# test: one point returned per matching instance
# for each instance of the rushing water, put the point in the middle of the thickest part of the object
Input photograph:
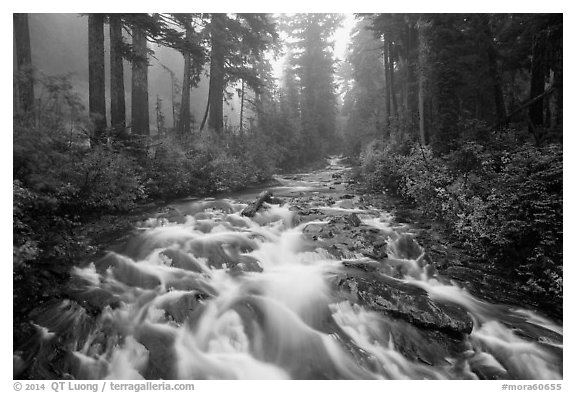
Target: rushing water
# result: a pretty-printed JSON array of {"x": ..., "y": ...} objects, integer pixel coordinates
[{"x": 208, "y": 293}]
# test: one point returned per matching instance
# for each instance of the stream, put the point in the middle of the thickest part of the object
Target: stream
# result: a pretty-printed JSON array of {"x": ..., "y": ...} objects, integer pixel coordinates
[{"x": 319, "y": 286}]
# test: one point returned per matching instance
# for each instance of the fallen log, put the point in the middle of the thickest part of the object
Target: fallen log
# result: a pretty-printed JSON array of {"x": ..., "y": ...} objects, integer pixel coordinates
[{"x": 265, "y": 196}]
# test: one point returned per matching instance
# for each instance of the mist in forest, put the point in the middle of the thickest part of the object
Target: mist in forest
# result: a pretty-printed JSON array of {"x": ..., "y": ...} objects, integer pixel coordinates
[
  {"x": 60, "y": 46},
  {"x": 288, "y": 196}
]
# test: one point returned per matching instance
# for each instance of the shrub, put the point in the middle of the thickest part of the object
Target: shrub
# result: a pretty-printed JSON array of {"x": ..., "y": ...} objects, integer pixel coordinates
[
  {"x": 101, "y": 179},
  {"x": 177, "y": 170},
  {"x": 502, "y": 198}
]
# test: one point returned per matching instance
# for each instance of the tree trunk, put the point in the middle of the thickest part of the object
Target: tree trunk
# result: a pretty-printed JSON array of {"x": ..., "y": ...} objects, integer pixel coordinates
[
  {"x": 393, "y": 104},
  {"x": 173, "y": 101},
  {"x": 421, "y": 122},
  {"x": 253, "y": 207},
  {"x": 421, "y": 86},
  {"x": 447, "y": 78},
  {"x": 403, "y": 65},
  {"x": 96, "y": 77},
  {"x": 559, "y": 102},
  {"x": 158, "y": 114},
  {"x": 117, "y": 95},
  {"x": 216, "y": 89},
  {"x": 387, "y": 83},
  {"x": 206, "y": 112},
  {"x": 492, "y": 56},
  {"x": 537, "y": 79},
  {"x": 140, "y": 108},
  {"x": 413, "y": 82},
  {"x": 184, "y": 124},
  {"x": 242, "y": 108},
  {"x": 25, "y": 86},
  {"x": 497, "y": 86}
]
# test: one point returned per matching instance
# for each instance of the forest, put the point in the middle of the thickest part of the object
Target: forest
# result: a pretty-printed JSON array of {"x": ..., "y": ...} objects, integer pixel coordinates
[{"x": 457, "y": 117}]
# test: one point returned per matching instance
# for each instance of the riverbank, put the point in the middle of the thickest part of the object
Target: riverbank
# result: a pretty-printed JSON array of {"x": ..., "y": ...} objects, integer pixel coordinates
[
  {"x": 446, "y": 252},
  {"x": 41, "y": 282},
  {"x": 352, "y": 247}
]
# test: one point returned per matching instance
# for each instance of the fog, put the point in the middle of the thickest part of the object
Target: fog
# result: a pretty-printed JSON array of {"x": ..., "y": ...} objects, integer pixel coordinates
[{"x": 60, "y": 46}]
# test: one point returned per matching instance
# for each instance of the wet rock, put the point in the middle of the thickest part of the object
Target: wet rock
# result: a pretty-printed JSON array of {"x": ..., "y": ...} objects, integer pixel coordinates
[
  {"x": 218, "y": 205},
  {"x": 487, "y": 367},
  {"x": 405, "y": 247},
  {"x": 161, "y": 357},
  {"x": 347, "y": 204},
  {"x": 366, "y": 265},
  {"x": 354, "y": 220},
  {"x": 310, "y": 216},
  {"x": 313, "y": 229},
  {"x": 397, "y": 299},
  {"x": 173, "y": 215},
  {"x": 94, "y": 300},
  {"x": 182, "y": 260},
  {"x": 237, "y": 222},
  {"x": 67, "y": 318},
  {"x": 246, "y": 264},
  {"x": 420, "y": 345},
  {"x": 340, "y": 251},
  {"x": 187, "y": 306},
  {"x": 218, "y": 254},
  {"x": 275, "y": 200},
  {"x": 127, "y": 271}
]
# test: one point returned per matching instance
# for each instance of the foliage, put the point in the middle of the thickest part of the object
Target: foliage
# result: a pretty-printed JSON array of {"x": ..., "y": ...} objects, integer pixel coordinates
[
  {"x": 202, "y": 165},
  {"x": 502, "y": 198},
  {"x": 61, "y": 181},
  {"x": 101, "y": 179},
  {"x": 313, "y": 64}
]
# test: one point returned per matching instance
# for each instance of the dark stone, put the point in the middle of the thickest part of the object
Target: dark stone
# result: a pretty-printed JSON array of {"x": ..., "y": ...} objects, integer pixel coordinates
[
  {"x": 275, "y": 200},
  {"x": 354, "y": 219},
  {"x": 430, "y": 347},
  {"x": 365, "y": 265},
  {"x": 182, "y": 260},
  {"x": 406, "y": 247},
  {"x": 313, "y": 229},
  {"x": 127, "y": 271},
  {"x": 94, "y": 300},
  {"x": 408, "y": 302},
  {"x": 246, "y": 264},
  {"x": 187, "y": 306}
]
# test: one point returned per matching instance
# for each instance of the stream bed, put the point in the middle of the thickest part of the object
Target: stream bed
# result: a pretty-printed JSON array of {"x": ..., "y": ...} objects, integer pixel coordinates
[{"x": 318, "y": 286}]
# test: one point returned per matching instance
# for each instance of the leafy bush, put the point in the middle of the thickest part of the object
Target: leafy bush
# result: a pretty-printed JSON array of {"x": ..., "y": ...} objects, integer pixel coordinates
[
  {"x": 502, "y": 198},
  {"x": 381, "y": 167},
  {"x": 518, "y": 223},
  {"x": 176, "y": 170},
  {"x": 101, "y": 179}
]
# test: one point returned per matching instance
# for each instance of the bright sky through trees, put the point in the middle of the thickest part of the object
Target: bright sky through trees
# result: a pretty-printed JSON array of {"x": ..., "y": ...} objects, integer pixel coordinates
[{"x": 341, "y": 40}]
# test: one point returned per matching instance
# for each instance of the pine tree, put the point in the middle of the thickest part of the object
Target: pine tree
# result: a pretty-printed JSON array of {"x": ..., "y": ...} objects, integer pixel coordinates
[
  {"x": 96, "y": 77},
  {"x": 314, "y": 62},
  {"x": 194, "y": 57},
  {"x": 237, "y": 42},
  {"x": 140, "y": 109},
  {"x": 25, "y": 84},
  {"x": 117, "y": 94},
  {"x": 217, "y": 59},
  {"x": 364, "y": 101}
]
